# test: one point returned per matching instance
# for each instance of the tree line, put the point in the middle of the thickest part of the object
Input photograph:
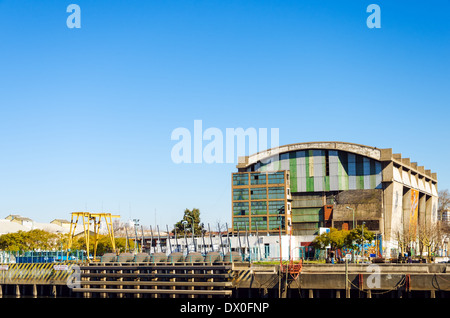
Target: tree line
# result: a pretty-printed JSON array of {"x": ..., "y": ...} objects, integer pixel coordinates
[{"x": 40, "y": 240}]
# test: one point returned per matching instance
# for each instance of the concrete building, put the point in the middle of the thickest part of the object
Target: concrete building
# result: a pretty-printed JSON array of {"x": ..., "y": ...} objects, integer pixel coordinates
[
  {"x": 26, "y": 222},
  {"x": 306, "y": 186},
  {"x": 14, "y": 223},
  {"x": 61, "y": 222}
]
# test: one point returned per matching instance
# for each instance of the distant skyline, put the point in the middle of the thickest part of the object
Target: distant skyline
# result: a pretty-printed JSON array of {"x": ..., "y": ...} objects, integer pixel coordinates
[{"x": 86, "y": 114}]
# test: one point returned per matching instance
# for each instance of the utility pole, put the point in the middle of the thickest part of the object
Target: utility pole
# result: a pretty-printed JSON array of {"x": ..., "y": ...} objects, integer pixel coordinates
[
  {"x": 347, "y": 290},
  {"x": 136, "y": 224}
]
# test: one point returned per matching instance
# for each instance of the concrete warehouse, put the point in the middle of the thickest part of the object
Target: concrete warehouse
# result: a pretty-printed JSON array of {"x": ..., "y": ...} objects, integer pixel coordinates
[{"x": 300, "y": 188}]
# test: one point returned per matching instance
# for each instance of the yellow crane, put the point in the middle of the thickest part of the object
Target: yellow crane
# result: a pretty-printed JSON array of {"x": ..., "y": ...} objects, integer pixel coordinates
[{"x": 89, "y": 219}]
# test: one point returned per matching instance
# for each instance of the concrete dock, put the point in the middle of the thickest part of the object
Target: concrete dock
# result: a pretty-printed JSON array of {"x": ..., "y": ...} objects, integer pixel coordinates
[{"x": 224, "y": 280}]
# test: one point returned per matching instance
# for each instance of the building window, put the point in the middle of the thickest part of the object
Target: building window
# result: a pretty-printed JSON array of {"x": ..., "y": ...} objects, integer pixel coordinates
[
  {"x": 259, "y": 207},
  {"x": 276, "y": 193},
  {"x": 240, "y": 179},
  {"x": 240, "y": 208},
  {"x": 258, "y": 194},
  {"x": 258, "y": 178},
  {"x": 276, "y": 207},
  {"x": 240, "y": 194},
  {"x": 240, "y": 223},
  {"x": 275, "y": 222},
  {"x": 276, "y": 178},
  {"x": 259, "y": 223}
]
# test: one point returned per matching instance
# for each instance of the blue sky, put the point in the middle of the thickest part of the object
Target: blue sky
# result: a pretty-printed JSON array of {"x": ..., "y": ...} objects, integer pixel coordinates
[{"x": 86, "y": 114}]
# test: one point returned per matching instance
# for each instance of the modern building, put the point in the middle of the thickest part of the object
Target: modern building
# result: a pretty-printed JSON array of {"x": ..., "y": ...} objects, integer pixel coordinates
[{"x": 299, "y": 188}]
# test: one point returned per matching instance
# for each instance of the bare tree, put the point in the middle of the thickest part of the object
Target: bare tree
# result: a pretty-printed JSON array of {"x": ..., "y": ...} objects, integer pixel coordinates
[
  {"x": 433, "y": 237},
  {"x": 444, "y": 202}
]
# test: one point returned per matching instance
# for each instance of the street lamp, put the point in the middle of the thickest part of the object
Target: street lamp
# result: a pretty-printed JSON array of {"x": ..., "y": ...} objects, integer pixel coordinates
[
  {"x": 188, "y": 216},
  {"x": 136, "y": 224},
  {"x": 353, "y": 251},
  {"x": 184, "y": 228},
  {"x": 193, "y": 231},
  {"x": 353, "y": 215},
  {"x": 363, "y": 240}
]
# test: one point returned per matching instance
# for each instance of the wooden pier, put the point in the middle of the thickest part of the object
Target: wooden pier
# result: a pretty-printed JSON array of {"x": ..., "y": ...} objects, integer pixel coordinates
[{"x": 155, "y": 280}]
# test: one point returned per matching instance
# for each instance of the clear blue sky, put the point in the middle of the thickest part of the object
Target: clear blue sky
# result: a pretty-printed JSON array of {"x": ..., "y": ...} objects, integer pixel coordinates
[{"x": 86, "y": 114}]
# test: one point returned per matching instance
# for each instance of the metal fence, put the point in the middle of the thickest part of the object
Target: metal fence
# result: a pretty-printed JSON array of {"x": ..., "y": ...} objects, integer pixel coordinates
[{"x": 41, "y": 256}]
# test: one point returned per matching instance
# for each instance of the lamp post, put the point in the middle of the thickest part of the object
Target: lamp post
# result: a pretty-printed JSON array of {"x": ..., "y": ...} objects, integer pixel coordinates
[
  {"x": 185, "y": 239},
  {"x": 193, "y": 231},
  {"x": 363, "y": 240},
  {"x": 353, "y": 226},
  {"x": 353, "y": 215},
  {"x": 136, "y": 224}
]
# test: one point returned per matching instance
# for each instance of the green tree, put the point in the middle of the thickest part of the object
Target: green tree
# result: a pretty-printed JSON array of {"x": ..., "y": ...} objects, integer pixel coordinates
[
  {"x": 103, "y": 244},
  {"x": 30, "y": 240},
  {"x": 335, "y": 239},
  {"x": 357, "y": 236},
  {"x": 191, "y": 218}
]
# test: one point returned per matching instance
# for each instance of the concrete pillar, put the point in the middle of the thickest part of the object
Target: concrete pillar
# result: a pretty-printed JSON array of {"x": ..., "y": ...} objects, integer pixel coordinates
[
  {"x": 311, "y": 293},
  {"x": 428, "y": 208},
  {"x": 18, "y": 291},
  {"x": 432, "y": 294},
  {"x": 34, "y": 291},
  {"x": 406, "y": 209},
  {"x": 422, "y": 209},
  {"x": 338, "y": 293}
]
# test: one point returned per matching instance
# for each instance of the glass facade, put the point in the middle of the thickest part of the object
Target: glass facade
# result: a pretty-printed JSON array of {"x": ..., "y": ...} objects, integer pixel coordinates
[
  {"x": 260, "y": 201},
  {"x": 240, "y": 208},
  {"x": 259, "y": 207},
  {"x": 276, "y": 207},
  {"x": 259, "y": 193},
  {"x": 240, "y": 179},
  {"x": 258, "y": 178},
  {"x": 276, "y": 193},
  {"x": 276, "y": 178},
  {"x": 240, "y": 194}
]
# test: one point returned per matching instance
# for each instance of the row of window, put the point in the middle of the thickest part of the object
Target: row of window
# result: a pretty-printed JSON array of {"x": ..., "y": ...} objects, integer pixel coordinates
[
  {"x": 258, "y": 178},
  {"x": 260, "y": 223},
  {"x": 258, "y": 193},
  {"x": 258, "y": 208}
]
